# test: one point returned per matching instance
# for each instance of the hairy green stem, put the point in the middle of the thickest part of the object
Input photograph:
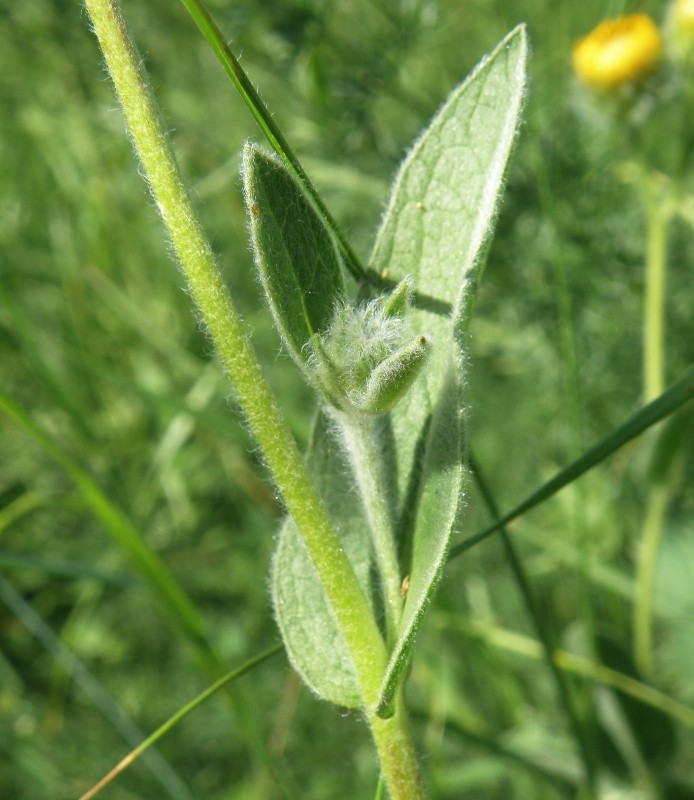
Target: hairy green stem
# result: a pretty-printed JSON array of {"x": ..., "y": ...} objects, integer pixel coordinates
[
  {"x": 366, "y": 441},
  {"x": 255, "y": 397},
  {"x": 399, "y": 764}
]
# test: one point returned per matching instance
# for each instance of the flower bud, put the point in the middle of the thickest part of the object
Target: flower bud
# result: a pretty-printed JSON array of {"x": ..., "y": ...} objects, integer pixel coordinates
[
  {"x": 393, "y": 377},
  {"x": 399, "y": 299},
  {"x": 365, "y": 361}
]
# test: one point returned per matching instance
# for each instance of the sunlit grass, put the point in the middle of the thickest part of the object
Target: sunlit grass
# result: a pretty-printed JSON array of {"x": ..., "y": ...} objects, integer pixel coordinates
[{"x": 101, "y": 350}]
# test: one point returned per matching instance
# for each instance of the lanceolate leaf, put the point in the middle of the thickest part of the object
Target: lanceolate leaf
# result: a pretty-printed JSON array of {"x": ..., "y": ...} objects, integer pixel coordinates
[
  {"x": 441, "y": 212},
  {"x": 297, "y": 258},
  {"x": 437, "y": 511},
  {"x": 311, "y": 635},
  {"x": 435, "y": 231}
]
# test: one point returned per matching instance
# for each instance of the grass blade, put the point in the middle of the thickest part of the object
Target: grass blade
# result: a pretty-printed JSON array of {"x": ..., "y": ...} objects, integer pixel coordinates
[
  {"x": 597, "y": 673},
  {"x": 91, "y": 687},
  {"x": 24, "y": 504},
  {"x": 504, "y": 752},
  {"x": 170, "y": 723},
  {"x": 122, "y": 530},
  {"x": 581, "y": 735},
  {"x": 271, "y": 130},
  {"x": 678, "y": 394}
]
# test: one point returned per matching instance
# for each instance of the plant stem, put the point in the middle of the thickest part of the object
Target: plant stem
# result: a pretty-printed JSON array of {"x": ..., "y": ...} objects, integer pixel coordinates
[
  {"x": 658, "y": 211},
  {"x": 234, "y": 348},
  {"x": 352, "y": 611},
  {"x": 399, "y": 763},
  {"x": 366, "y": 441},
  {"x": 665, "y": 474}
]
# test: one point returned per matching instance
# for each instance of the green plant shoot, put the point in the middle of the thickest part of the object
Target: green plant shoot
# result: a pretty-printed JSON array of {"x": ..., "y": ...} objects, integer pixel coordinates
[
  {"x": 388, "y": 442},
  {"x": 371, "y": 513}
]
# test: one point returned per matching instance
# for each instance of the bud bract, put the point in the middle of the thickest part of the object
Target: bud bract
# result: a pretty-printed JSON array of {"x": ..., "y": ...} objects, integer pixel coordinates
[{"x": 366, "y": 360}]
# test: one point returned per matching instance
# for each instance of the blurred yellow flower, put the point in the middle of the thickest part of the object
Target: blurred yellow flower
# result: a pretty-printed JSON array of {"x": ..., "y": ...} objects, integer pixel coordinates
[{"x": 618, "y": 51}]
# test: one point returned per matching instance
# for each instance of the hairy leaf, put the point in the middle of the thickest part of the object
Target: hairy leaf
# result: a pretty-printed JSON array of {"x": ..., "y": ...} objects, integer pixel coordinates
[
  {"x": 441, "y": 212},
  {"x": 438, "y": 222},
  {"x": 436, "y": 230},
  {"x": 311, "y": 635},
  {"x": 297, "y": 258}
]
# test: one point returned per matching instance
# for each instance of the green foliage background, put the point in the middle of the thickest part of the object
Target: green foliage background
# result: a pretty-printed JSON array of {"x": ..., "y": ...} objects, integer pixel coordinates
[{"x": 100, "y": 347}]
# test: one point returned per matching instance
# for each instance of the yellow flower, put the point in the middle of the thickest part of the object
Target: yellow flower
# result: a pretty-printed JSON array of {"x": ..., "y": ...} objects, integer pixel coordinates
[{"x": 618, "y": 51}]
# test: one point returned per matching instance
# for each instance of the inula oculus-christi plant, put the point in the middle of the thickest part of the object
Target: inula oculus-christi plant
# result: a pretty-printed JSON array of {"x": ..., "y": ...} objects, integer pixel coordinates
[
  {"x": 373, "y": 503},
  {"x": 371, "y": 513}
]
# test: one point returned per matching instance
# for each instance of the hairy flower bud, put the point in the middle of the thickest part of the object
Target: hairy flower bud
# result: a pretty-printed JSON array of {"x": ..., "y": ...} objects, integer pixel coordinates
[
  {"x": 366, "y": 361},
  {"x": 393, "y": 377}
]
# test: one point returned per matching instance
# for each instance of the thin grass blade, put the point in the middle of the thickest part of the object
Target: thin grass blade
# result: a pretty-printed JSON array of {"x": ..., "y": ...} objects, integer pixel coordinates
[
  {"x": 181, "y": 609},
  {"x": 273, "y": 133},
  {"x": 677, "y": 395},
  {"x": 173, "y": 720},
  {"x": 170, "y": 782}
]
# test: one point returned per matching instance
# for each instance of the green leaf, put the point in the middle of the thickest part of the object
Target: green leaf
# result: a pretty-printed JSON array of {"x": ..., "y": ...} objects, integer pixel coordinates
[
  {"x": 651, "y": 729},
  {"x": 436, "y": 231},
  {"x": 265, "y": 120},
  {"x": 440, "y": 215},
  {"x": 451, "y": 180},
  {"x": 298, "y": 260},
  {"x": 436, "y": 516},
  {"x": 314, "y": 642}
]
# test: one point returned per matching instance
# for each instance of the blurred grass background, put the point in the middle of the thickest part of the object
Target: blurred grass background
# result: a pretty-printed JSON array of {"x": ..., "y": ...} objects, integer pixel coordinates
[{"x": 102, "y": 351}]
